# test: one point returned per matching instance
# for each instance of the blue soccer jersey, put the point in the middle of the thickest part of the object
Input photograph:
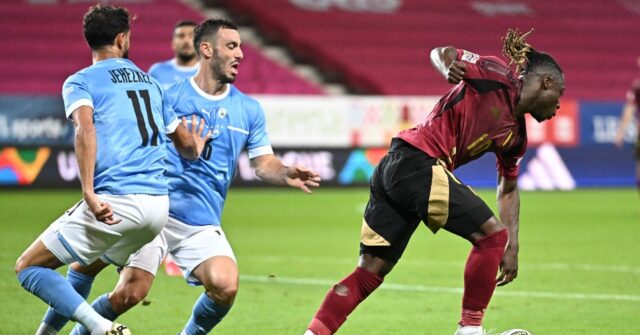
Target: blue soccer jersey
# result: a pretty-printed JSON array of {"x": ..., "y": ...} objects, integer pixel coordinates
[
  {"x": 130, "y": 125},
  {"x": 197, "y": 190},
  {"x": 169, "y": 72}
]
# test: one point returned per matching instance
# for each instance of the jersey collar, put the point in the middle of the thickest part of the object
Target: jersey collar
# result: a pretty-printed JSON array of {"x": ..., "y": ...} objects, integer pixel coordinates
[{"x": 207, "y": 95}]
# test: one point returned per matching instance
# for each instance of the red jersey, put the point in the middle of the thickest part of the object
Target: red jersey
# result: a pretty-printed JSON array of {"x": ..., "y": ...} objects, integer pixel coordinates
[{"x": 475, "y": 117}]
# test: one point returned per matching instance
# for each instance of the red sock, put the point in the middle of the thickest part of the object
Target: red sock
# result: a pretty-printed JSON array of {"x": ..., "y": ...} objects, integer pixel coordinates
[
  {"x": 342, "y": 299},
  {"x": 480, "y": 276}
]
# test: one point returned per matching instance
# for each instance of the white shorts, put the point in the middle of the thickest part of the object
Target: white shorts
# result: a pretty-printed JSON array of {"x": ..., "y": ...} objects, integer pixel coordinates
[
  {"x": 78, "y": 237},
  {"x": 188, "y": 245}
]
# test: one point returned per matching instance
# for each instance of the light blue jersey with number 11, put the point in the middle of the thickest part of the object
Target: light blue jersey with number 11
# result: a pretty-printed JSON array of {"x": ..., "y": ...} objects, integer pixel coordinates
[
  {"x": 197, "y": 190},
  {"x": 130, "y": 125}
]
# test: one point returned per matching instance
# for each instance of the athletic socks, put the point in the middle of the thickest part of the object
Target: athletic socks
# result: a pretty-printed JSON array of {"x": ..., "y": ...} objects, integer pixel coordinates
[
  {"x": 206, "y": 314},
  {"x": 480, "y": 276},
  {"x": 45, "y": 329},
  {"x": 102, "y": 306},
  {"x": 342, "y": 299},
  {"x": 82, "y": 284},
  {"x": 58, "y": 293},
  {"x": 86, "y": 315}
]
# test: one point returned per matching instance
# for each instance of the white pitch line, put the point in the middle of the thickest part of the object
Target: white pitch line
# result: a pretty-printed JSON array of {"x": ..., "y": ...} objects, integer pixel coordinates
[
  {"x": 449, "y": 290},
  {"x": 523, "y": 266}
]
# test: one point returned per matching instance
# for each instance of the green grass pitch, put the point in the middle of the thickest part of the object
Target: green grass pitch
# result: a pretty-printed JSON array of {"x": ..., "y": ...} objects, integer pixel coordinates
[{"x": 579, "y": 266}]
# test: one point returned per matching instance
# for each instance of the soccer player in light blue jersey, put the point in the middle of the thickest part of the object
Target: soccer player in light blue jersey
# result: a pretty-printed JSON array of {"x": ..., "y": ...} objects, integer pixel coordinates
[
  {"x": 193, "y": 236},
  {"x": 184, "y": 64},
  {"x": 120, "y": 145}
]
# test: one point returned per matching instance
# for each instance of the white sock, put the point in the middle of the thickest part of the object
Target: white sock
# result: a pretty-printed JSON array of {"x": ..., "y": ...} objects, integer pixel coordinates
[
  {"x": 470, "y": 330},
  {"x": 309, "y": 332},
  {"x": 89, "y": 318},
  {"x": 45, "y": 329}
]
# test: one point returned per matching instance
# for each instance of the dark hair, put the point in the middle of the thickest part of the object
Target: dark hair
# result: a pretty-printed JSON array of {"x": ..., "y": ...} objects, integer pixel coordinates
[
  {"x": 185, "y": 23},
  {"x": 208, "y": 30},
  {"x": 102, "y": 23},
  {"x": 526, "y": 57}
]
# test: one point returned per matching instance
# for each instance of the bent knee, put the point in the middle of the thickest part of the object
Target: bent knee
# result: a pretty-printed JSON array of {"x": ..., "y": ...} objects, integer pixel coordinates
[
  {"x": 491, "y": 226},
  {"x": 21, "y": 264},
  {"x": 223, "y": 290},
  {"x": 123, "y": 299}
]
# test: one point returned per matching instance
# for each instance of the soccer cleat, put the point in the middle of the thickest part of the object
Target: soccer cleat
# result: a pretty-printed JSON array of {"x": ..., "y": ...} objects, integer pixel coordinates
[
  {"x": 516, "y": 332},
  {"x": 118, "y": 329}
]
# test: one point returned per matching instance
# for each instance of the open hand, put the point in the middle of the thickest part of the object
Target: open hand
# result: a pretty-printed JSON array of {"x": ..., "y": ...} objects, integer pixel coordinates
[
  {"x": 196, "y": 132},
  {"x": 508, "y": 267},
  {"x": 302, "y": 178}
]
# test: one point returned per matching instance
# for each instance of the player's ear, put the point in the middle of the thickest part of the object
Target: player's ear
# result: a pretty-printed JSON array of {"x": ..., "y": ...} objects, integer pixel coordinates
[
  {"x": 547, "y": 81},
  {"x": 206, "y": 49},
  {"x": 121, "y": 40}
]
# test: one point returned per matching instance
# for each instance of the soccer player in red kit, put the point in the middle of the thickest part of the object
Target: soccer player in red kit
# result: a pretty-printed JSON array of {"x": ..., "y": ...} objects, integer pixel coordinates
[
  {"x": 414, "y": 182},
  {"x": 630, "y": 107}
]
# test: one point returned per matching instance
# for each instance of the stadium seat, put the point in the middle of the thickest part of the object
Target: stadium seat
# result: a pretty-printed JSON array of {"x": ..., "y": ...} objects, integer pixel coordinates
[
  {"x": 43, "y": 45},
  {"x": 386, "y": 52}
]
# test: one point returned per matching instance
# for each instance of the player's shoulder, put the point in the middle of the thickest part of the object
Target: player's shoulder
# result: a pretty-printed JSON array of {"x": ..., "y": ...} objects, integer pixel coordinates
[
  {"x": 80, "y": 74},
  {"x": 247, "y": 100},
  {"x": 160, "y": 65},
  {"x": 484, "y": 61},
  {"x": 177, "y": 90}
]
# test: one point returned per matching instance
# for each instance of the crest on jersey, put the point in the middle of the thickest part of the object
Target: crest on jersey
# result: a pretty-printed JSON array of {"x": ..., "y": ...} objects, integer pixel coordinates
[
  {"x": 222, "y": 112},
  {"x": 469, "y": 57}
]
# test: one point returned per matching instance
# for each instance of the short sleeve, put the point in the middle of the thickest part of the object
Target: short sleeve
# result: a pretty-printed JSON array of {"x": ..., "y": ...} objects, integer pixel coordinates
[
  {"x": 508, "y": 163},
  {"x": 484, "y": 68},
  {"x": 75, "y": 93},
  {"x": 258, "y": 143},
  {"x": 168, "y": 112}
]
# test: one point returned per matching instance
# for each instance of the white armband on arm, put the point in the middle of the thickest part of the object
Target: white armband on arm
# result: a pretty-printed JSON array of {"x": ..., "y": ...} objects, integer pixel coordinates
[
  {"x": 260, "y": 151},
  {"x": 171, "y": 127}
]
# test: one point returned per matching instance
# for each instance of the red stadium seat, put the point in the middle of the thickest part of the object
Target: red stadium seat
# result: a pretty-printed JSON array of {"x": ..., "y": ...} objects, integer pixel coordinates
[
  {"x": 595, "y": 42},
  {"x": 43, "y": 44}
]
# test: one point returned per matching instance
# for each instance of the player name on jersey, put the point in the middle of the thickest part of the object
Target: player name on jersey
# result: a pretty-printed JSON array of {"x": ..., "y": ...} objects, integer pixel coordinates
[{"x": 126, "y": 75}]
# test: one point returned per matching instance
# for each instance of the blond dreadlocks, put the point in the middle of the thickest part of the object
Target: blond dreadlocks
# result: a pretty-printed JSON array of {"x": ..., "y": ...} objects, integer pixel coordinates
[{"x": 516, "y": 48}]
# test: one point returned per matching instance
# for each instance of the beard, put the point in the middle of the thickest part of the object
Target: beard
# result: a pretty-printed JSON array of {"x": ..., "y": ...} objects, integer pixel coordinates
[
  {"x": 185, "y": 58},
  {"x": 218, "y": 70}
]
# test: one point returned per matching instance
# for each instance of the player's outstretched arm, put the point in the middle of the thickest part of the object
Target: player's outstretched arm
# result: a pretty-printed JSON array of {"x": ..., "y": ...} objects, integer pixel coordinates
[
  {"x": 444, "y": 61},
  {"x": 270, "y": 169},
  {"x": 189, "y": 140},
  {"x": 86, "y": 147},
  {"x": 509, "y": 208},
  {"x": 625, "y": 119}
]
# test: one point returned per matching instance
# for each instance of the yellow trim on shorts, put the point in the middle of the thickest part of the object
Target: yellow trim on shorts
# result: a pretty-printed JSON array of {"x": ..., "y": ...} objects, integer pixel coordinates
[
  {"x": 438, "y": 206},
  {"x": 370, "y": 238}
]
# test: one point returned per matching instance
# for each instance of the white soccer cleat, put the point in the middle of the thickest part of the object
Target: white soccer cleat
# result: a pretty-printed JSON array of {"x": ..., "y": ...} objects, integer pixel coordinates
[{"x": 118, "y": 329}]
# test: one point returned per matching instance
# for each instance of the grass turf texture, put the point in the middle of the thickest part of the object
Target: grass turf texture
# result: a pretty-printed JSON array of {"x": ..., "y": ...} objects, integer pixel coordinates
[{"x": 579, "y": 266}]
